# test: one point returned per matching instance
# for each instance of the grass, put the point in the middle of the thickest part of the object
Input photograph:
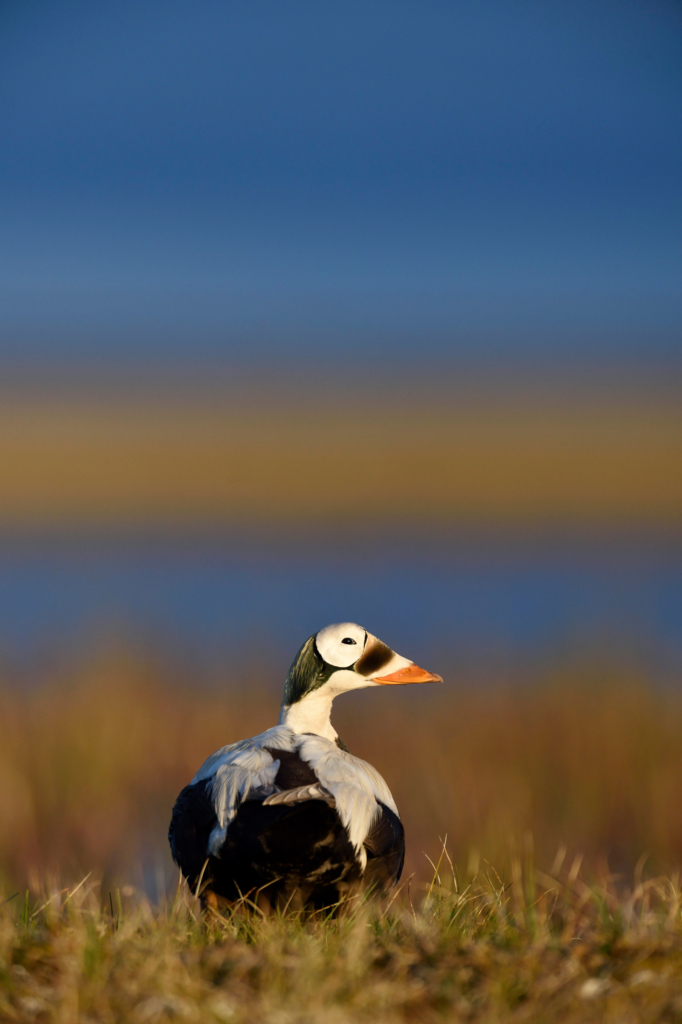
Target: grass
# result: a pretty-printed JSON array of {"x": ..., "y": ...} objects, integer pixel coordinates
[{"x": 524, "y": 947}]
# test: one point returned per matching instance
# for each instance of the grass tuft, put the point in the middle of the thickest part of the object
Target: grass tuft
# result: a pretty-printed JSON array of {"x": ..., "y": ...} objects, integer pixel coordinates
[{"x": 523, "y": 947}]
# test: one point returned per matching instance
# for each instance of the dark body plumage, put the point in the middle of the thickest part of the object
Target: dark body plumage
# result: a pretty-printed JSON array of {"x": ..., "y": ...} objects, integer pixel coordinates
[{"x": 297, "y": 851}]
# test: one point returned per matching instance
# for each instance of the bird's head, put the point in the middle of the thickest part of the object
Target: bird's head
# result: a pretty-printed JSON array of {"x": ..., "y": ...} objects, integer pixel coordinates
[{"x": 344, "y": 657}]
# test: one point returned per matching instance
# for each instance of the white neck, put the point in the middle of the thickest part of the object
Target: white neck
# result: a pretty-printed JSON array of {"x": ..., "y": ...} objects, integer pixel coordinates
[{"x": 310, "y": 714}]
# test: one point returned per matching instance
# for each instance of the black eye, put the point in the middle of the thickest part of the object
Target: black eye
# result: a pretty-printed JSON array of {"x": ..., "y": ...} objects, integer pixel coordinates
[{"x": 347, "y": 640}]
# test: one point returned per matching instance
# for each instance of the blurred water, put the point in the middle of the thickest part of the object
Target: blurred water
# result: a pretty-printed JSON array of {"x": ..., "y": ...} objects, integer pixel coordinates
[{"x": 483, "y": 605}]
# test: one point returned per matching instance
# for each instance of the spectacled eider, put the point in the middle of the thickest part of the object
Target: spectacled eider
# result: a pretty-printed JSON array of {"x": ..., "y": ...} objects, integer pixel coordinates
[{"x": 291, "y": 812}]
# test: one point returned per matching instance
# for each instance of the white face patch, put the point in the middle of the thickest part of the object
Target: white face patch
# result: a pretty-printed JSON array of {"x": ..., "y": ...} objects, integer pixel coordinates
[{"x": 342, "y": 644}]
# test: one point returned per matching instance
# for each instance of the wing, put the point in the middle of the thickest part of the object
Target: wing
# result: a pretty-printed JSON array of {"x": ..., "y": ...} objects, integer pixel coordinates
[
  {"x": 239, "y": 772},
  {"x": 385, "y": 846},
  {"x": 386, "y": 832},
  {"x": 358, "y": 789},
  {"x": 193, "y": 820}
]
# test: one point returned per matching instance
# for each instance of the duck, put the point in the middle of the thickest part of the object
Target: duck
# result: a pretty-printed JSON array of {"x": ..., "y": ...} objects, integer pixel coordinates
[{"x": 290, "y": 817}]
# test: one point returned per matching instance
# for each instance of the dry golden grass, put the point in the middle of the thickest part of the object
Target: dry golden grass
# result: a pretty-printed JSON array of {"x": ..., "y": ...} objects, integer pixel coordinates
[
  {"x": 523, "y": 947},
  {"x": 396, "y": 457},
  {"x": 590, "y": 760}
]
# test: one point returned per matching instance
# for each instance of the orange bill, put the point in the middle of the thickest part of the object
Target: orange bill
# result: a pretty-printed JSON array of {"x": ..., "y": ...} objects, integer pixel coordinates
[{"x": 411, "y": 674}]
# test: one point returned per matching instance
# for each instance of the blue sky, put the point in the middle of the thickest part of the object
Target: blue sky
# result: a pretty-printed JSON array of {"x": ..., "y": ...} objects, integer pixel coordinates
[{"x": 247, "y": 179}]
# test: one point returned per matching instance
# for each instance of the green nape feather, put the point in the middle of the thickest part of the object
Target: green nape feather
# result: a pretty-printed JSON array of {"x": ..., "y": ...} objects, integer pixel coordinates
[{"x": 307, "y": 673}]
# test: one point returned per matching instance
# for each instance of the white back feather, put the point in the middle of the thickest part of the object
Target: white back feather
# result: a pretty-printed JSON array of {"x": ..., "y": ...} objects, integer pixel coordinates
[
  {"x": 246, "y": 770},
  {"x": 240, "y": 771},
  {"x": 356, "y": 786}
]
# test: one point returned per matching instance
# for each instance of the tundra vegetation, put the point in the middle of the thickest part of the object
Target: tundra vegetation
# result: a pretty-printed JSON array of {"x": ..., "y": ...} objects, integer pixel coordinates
[{"x": 525, "y": 948}]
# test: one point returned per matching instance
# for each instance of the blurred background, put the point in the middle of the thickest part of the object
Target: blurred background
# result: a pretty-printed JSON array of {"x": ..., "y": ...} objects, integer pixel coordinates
[{"x": 314, "y": 312}]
